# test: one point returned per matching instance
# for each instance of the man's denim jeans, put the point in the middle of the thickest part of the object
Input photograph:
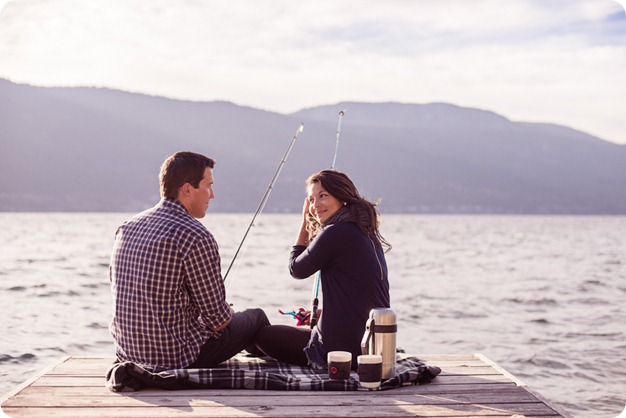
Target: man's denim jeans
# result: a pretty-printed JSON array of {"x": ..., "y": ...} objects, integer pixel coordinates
[{"x": 237, "y": 336}]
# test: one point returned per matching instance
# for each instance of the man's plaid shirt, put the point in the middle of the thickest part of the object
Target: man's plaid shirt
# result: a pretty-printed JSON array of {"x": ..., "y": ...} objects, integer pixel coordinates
[{"x": 168, "y": 291}]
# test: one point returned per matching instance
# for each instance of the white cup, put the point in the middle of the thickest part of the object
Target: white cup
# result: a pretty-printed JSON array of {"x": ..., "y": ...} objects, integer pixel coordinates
[
  {"x": 370, "y": 370},
  {"x": 339, "y": 364}
]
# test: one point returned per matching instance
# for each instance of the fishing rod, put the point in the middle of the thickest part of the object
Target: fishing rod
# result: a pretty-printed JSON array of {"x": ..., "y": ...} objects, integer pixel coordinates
[
  {"x": 318, "y": 278},
  {"x": 341, "y": 113},
  {"x": 265, "y": 196}
]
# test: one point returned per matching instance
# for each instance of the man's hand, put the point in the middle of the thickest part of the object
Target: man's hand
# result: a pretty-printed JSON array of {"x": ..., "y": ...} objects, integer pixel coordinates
[{"x": 225, "y": 324}]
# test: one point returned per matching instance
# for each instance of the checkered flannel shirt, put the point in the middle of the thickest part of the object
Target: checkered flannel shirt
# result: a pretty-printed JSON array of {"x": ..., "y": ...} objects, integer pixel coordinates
[{"x": 167, "y": 287}]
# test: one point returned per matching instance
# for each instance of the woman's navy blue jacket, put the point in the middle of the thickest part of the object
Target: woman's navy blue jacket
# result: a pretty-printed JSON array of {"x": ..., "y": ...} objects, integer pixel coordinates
[{"x": 354, "y": 281}]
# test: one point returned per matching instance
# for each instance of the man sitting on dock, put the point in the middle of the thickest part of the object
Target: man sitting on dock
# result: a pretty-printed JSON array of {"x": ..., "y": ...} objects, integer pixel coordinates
[{"x": 169, "y": 301}]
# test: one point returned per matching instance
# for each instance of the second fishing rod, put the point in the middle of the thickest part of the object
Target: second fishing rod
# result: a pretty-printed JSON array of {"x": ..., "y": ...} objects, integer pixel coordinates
[{"x": 318, "y": 278}]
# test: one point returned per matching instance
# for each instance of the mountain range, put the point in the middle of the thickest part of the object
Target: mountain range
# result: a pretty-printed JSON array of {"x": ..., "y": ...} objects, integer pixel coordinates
[{"x": 96, "y": 149}]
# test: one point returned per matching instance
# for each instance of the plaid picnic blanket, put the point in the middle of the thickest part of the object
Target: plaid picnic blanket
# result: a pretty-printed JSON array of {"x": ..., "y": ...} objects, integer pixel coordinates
[{"x": 242, "y": 372}]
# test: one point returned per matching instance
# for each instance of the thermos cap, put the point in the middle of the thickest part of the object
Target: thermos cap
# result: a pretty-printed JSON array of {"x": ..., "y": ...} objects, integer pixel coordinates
[{"x": 383, "y": 316}]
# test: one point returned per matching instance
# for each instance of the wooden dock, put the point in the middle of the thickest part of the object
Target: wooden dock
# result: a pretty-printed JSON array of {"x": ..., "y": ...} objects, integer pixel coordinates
[{"x": 468, "y": 386}]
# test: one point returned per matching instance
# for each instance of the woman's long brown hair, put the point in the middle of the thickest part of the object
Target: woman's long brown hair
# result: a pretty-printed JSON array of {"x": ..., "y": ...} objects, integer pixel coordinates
[{"x": 363, "y": 211}]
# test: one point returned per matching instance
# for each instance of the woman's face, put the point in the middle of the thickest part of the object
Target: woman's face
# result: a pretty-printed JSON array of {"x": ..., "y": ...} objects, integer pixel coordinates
[{"x": 322, "y": 205}]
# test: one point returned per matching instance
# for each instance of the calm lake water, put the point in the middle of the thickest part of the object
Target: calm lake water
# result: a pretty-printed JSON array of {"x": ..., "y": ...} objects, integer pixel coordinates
[{"x": 541, "y": 296}]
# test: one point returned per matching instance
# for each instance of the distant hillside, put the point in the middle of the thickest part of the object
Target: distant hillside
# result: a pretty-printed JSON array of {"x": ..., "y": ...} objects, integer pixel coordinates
[{"x": 88, "y": 149}]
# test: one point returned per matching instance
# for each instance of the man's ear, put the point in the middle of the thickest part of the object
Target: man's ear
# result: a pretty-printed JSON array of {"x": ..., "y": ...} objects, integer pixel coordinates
[{"x": 184, "y": 191}]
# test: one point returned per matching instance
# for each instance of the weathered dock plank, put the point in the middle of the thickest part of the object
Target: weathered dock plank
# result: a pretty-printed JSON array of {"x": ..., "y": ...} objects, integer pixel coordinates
[{"x": 469, "y": 386}]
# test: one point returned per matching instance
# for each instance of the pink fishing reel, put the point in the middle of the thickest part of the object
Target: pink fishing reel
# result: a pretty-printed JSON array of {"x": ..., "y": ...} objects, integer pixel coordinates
[{"x": 301, "y": 316}]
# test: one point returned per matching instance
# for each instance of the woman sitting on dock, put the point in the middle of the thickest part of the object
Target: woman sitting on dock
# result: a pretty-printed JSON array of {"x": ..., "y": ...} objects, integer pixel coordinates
[{"x": 339, "y": 237}]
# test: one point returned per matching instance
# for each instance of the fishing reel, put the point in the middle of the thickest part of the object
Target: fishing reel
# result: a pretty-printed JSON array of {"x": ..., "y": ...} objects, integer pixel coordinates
[{"x": 302, "y": 316}]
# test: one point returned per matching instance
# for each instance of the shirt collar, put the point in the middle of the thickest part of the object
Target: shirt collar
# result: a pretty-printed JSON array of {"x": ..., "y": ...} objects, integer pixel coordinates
[{"x": 174, "y": 205}]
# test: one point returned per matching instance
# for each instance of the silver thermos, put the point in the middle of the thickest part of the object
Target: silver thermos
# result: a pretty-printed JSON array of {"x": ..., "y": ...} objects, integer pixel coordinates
[{"x": 380, "y": 338}]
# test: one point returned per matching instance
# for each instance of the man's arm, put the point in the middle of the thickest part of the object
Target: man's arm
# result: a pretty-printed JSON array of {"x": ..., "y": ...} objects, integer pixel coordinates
[{"x": 206, "y": 286}]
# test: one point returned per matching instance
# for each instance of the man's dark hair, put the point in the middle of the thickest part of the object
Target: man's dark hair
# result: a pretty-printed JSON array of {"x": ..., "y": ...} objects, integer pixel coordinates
[{"x": 180, "y": 168}]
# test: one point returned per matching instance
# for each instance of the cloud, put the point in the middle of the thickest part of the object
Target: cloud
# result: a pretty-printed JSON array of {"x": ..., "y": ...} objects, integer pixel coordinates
[
  {"x": 3, "y": 3},
  {"x": 553, "y": 61}
]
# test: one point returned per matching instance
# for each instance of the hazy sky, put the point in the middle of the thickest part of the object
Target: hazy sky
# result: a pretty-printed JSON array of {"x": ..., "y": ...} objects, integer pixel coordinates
[{"x": 560, "y": 61}]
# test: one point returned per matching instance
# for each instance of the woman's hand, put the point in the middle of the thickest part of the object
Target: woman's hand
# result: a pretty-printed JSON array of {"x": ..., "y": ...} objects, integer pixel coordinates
[
  {"x": 303, "y": 234},
  {"x": 306, "y": 207}
]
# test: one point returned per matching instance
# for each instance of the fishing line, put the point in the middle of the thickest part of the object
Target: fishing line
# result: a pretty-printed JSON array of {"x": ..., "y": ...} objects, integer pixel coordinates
[
  {"x": 318, "y": 278},
  {"x": 265, "y": 196}
]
